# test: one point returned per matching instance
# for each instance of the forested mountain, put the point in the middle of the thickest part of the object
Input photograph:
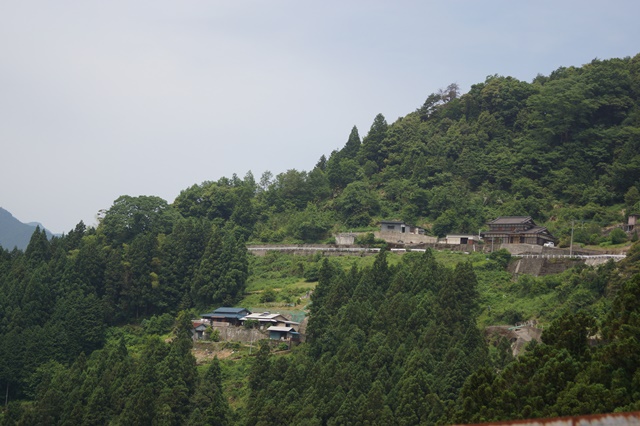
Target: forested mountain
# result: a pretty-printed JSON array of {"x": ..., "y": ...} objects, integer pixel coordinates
[
  {"x": 387, "y": 344},
  {"x": 563, "y": 147},
  {"x": 14, "y": 233}
]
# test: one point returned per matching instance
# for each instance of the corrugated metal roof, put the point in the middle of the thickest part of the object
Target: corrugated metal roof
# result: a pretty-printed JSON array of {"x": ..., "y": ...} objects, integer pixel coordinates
[
  {"x": 268, "y": 317},
  {"x": 225, "y": 310},
  {"x": 287, "y": 329},
  {"x": 236, "y": 313}
]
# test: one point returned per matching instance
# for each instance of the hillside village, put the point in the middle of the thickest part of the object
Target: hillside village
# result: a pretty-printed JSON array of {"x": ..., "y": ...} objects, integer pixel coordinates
[
  {"x": 534, "y": 246},
  {"x": 475, "y": 260}
]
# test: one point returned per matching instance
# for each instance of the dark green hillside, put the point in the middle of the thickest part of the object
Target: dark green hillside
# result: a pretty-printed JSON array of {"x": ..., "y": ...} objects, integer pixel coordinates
[
  {"x": 94, "y": 324},
  {"x": 389, "y": 342},
  {"x": 565, "y": 146},
  {"x": 399, "y": 345}
]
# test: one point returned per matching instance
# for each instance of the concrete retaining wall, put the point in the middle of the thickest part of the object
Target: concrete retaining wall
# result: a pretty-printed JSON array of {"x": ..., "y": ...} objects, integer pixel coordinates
[
  {"x": 346, "y": 239},
  {"x": 311, "y": 249},
  {"x": 541, "y": 266},
  {"x": 400, "y": 238},
  {"x": 519, "y": 248}
]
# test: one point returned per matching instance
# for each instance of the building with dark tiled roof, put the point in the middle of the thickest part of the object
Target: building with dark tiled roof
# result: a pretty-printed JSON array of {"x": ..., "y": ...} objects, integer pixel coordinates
[
  {"x": 516, "y": 230},
  {"x": 226, "y": 316}
]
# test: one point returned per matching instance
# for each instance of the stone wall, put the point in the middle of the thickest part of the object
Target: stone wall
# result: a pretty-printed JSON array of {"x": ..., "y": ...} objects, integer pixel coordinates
[{"x": 241, "y": 334}]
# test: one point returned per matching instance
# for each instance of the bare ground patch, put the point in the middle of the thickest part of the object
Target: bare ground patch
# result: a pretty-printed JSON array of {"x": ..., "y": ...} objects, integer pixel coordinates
[{"x": 204, "y": 352}]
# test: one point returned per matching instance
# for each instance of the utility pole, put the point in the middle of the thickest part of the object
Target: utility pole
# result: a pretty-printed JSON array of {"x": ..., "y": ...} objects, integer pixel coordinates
[{"x": 571, "y": 243}]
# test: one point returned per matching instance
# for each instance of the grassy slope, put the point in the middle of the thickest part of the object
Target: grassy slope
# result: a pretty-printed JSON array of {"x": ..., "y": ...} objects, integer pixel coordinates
[{"x": 503, "y": 299}]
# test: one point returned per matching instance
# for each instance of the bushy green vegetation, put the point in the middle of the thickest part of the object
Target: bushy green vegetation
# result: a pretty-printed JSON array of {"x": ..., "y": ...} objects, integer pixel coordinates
[
  {"x": 399, "y": 345},
  {"x": 562, "y": 149},
  {"x": 87, "y": 330},
  {"x": 143, "y": 264}
]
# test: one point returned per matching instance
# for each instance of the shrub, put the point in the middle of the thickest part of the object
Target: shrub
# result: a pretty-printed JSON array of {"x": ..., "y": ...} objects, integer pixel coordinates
[
  {"x": 511, "y": 316},
  {"x": 369, "y": 239},
  {"x": 160, "y": 324},
  {"x": 311, "y": 271},
  {"x": 366, "y": 239},
  {"x": 232, "y": 345},
  {"x": 267, "y": 296},
  {"x": 251, "y": 324},
  {"x": 617, "y": 236},
  {"x": 214, "y": 334},
  {"x": 502, "y": 257}
]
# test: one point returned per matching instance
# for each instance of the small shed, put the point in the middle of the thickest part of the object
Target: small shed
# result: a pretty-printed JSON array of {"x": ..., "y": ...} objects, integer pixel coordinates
[
  {"x": 280, "y": 333},
  {"x": 461, "y": 239},
  {"x": 198, "y": 330},
  {"x": 400, "y": 227}
]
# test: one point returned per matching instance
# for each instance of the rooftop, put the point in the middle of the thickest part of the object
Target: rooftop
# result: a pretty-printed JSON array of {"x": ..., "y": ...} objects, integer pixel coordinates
[
  {"x": 225, "y": 310},
  {"x": 227, "y": 313},
  {"x": 281, "y": 329},
  {"x": 268, "y": 317},
  {"x": 511, "y": 220},
  {"x": 536, "y": 230}
]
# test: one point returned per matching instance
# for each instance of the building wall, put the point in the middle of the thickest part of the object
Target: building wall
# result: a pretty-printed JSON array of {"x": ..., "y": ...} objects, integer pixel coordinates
[
  {"x": 514, "y": 239},
  {"x": 458, "y": 239},
  {"x": 394, "y": 237}
]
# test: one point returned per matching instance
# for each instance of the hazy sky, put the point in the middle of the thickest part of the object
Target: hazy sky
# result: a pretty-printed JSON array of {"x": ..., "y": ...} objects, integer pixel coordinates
[{"x": 104, "y": 98}]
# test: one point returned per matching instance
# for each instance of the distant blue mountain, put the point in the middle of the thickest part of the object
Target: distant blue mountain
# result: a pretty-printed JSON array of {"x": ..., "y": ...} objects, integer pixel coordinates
[{"x": 14, "y": 233}]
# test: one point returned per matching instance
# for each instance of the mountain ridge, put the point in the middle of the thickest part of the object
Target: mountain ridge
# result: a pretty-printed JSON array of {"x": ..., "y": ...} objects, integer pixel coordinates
[{"x": 16, "y": 234}]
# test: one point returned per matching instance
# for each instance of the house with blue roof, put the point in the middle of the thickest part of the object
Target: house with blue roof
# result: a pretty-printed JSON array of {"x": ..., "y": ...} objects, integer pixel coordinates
[{"x": 225, "y": 316}]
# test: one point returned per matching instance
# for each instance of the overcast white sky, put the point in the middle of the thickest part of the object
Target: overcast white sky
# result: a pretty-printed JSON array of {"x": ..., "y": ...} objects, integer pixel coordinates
[{"x": 104, "y": 98}]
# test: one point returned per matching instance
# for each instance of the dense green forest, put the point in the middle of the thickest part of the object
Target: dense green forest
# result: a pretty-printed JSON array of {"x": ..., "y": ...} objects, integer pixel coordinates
[
  {"x": 400, "y": 345},
  {"x": 388, "y": 344},
  {"x": 94, "y": 325},
  {"x": 563, "y": 147}
]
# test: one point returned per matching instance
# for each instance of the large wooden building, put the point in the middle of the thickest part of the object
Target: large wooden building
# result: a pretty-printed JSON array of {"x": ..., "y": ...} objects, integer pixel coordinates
[
  {"x": 226, "y": 316},
  {"x": 516, "y": 230}
]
